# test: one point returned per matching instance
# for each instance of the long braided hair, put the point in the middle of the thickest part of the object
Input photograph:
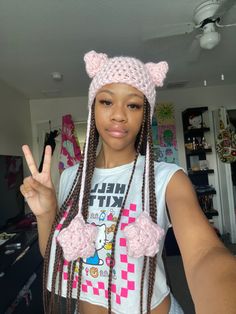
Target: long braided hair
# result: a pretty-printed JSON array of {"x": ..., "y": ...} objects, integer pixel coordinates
[{"x": 52, "y": 299}]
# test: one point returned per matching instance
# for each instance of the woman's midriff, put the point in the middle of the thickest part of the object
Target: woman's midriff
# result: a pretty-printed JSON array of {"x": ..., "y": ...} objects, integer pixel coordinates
[{"x": 88, "y": 308}]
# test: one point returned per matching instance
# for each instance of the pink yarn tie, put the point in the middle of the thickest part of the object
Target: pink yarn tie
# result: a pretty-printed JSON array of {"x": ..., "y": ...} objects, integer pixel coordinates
[
  {"x": 143, "y": 236},
  {"x": 78, "y": 239}
]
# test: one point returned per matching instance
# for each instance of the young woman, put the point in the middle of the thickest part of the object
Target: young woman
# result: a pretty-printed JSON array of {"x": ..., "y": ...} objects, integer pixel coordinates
[{"x": 102, "y": 240}]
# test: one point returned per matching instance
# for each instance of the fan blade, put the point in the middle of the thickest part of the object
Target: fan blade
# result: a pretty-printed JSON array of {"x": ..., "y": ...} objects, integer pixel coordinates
[
  {"x": 224, "y": 8},
  {"x": 160, "y": 31},
  {"x": 194, "y": 50}
]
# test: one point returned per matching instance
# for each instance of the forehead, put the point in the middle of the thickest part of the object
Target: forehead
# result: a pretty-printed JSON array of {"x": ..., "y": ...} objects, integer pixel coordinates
[{"x": 120, "y": 89}]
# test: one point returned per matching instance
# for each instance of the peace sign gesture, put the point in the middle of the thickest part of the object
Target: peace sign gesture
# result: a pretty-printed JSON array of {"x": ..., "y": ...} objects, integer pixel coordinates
[{"x": 38, "y": 188}]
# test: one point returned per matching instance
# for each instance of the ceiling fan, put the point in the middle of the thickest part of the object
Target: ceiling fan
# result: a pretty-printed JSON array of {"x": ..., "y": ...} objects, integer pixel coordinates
[{"x": 207, "y": 18}]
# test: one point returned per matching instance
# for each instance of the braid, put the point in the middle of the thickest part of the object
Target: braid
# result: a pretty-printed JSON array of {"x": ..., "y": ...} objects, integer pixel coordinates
[
  {"x": 79, "y": 284},
  {"x": 72, "y": 202},
  {"x": 121, "y": 210},
  {"x": 142, "y": 283},
  {"x": 59, "y": 215},
  {"x": 58, "y": 264},
  {"x": 60, "y": 274},
  {"x": 91, "y": 161},
  {"x": 145, "y": 257},
  {"x": 73, "y": 199},
  {"x": 153, "y": 213},
  {"x": 58, "y": 255},
  {"x": 69, "y": 287}
]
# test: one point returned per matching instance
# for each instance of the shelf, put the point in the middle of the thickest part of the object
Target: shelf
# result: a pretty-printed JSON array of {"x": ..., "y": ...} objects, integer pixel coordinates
[
  {"x": 195, "y": 110},
  {"x": 198, "y": 151},
  {"x": 200, "y": 172},
  {"x": 196, "y": 131},
  {"x": 205, "y": 193},
  {"x": 205, "y": 190},
  {"x": 211, "y": 213},
  {"x": 194, "y": 137}
]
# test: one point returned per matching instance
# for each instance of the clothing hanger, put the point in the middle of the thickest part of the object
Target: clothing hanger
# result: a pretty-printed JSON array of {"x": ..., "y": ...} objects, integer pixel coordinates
[{"x": 53, "y": 131}]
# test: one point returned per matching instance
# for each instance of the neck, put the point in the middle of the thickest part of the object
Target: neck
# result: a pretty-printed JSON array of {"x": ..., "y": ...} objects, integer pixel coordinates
[{"x": 110, "y": 159}]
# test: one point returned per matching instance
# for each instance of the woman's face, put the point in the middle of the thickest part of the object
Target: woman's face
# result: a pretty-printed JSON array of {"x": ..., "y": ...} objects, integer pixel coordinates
[{"x": 119, "y": 115}]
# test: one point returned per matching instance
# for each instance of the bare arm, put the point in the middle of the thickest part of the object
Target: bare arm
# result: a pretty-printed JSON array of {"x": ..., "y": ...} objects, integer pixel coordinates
[
  {"x": 44, "y": 228},
  {"x": 210, "y": 268},
  {"x": 40, "y": 194}
]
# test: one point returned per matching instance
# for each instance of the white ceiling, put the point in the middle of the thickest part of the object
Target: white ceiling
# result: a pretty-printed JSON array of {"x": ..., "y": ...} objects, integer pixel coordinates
[{"x": 40, "y": 37}]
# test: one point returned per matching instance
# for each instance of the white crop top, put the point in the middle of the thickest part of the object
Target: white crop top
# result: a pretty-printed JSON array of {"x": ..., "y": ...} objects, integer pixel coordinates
[{"x": 107, "y": 193}]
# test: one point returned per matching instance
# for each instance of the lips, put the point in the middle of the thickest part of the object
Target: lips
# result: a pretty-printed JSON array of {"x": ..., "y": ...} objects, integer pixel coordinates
[{"x": 117, "y": 132}]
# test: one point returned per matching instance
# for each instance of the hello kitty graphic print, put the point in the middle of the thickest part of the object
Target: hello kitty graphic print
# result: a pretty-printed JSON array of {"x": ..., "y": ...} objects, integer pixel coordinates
[{"x": 98, "y": 265}]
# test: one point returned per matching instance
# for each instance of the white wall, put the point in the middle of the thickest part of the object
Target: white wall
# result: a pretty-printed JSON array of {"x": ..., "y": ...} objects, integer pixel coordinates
[{"x": 15, "y": 126}]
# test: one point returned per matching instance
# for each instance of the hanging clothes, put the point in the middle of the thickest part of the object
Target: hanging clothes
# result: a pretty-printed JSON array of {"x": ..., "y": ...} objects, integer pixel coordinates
[
  {"x": 49, "y": 140},
  {"x": 70, "y": 149}
]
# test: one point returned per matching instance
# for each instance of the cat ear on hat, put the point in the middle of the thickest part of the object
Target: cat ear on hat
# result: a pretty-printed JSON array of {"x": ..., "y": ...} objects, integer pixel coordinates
[
  {"x": 94, "y": 61},
  {"x": 158, "y": 71}
]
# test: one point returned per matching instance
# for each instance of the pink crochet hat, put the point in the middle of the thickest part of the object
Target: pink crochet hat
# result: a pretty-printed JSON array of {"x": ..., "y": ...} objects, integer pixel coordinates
[
  {"x": 127, "y": 70},
  {"x": 77, "y": 240}
]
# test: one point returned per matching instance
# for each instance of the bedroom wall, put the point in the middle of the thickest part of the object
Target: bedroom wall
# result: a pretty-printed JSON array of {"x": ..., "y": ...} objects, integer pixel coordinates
[{"x": 15, "y": 127}]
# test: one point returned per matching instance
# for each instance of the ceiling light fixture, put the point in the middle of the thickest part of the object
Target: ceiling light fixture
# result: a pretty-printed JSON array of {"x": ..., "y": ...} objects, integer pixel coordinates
[
  {"x": 57, "y": 76},
  {"x": 210, "y": 37}
]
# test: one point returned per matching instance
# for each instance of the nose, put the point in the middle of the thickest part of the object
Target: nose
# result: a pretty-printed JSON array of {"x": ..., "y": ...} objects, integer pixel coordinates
[{"x": 118, "y": 113}]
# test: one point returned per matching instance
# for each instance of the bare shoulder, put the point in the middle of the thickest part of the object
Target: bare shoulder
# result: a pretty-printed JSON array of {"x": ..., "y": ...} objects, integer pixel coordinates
[{"x": 180, "y": 190}]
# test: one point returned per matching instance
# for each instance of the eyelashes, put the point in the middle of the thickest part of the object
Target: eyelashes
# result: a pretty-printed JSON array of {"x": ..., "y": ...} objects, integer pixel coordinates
[
  {"x": 135, "y": 106},
  {"x": 131, "y": 106},
  {"x": 105, "y": 102}
]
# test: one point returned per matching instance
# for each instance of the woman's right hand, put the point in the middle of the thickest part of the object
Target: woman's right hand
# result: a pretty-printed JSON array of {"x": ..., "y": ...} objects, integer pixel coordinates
[{"x": 38, "y": 188}]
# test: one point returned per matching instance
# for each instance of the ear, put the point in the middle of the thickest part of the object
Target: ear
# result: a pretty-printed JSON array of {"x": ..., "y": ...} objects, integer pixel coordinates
[
  {"x": 94, "y": 61},
  {"x": 158, "y": 71}
]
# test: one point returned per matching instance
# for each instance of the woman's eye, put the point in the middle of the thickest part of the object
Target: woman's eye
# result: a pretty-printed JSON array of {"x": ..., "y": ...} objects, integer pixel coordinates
[
  {"x": 105, "y": 102},
  {"x": 134, "y": 106}
]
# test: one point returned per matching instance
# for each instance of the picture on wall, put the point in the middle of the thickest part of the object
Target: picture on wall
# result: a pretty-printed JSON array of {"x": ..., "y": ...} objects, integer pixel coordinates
[{"x": 164, "y": 133}]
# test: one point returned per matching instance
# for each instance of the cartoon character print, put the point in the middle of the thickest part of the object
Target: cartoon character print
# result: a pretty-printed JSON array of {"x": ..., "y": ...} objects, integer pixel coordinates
[
  {"x": 195, "y": 122},
  {"x": 96, "y": 275},
  {"x": 111, "y": 216},
  {"x": 102, "y": 216},
  {"x": 99, "y": 244}
]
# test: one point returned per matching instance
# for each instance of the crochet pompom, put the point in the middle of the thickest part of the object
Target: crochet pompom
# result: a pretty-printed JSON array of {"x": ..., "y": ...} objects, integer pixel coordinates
[
  {"x": 94, "y": 61},
  {"x": 158, "y": 71},
  {"x": 78, "y": 239},
  {"x": 143, "y": 236}
]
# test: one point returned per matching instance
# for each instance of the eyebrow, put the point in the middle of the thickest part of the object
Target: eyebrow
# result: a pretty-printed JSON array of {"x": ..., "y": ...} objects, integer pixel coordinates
[{"x": 111, "y": 93}]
